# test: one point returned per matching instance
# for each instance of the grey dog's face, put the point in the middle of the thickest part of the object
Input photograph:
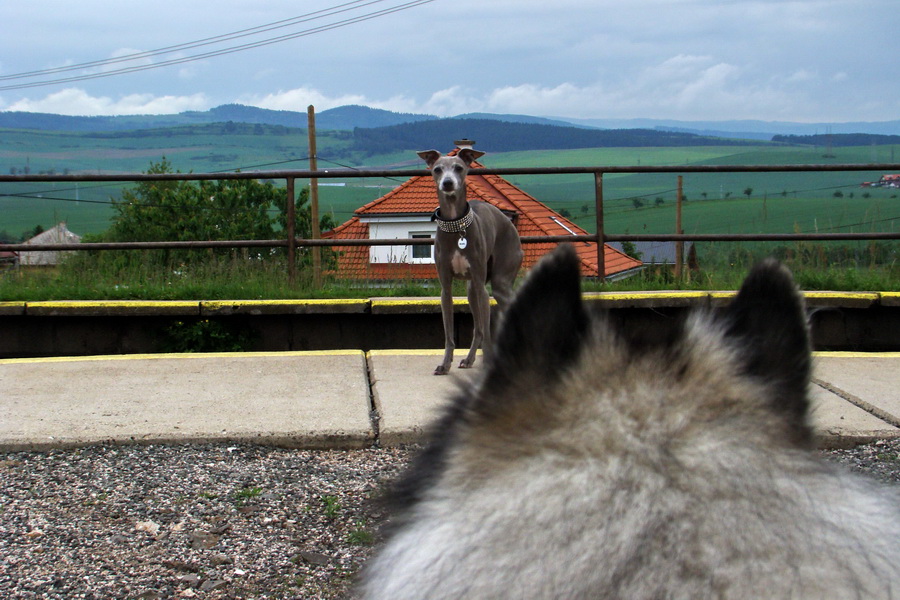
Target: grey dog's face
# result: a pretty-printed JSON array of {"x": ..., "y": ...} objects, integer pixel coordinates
[{"x": 449, "y": 173}]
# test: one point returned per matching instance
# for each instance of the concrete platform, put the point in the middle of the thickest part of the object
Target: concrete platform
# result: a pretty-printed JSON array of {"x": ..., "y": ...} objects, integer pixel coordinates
[
  {"x": 308, "y": 399},
  {"x": 328, "y": 399}
]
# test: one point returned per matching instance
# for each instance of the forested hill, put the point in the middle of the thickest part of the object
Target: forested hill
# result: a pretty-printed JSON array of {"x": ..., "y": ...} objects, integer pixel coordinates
[
  {"x": 839, "y": 139},
  {"x": 342, "y": 117},
  {"x": 503, "y": 136}
]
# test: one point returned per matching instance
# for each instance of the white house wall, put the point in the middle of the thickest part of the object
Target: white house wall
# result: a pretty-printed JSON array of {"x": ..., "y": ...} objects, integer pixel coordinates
[{"x": 392, "y": 228}]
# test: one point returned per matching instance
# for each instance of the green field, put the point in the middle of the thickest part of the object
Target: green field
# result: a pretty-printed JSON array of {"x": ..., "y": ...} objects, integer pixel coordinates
[{"x": 639, "y": 203}]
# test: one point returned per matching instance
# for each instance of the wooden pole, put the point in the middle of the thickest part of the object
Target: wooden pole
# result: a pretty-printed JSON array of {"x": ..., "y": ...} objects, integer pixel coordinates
[
  {"x": 679, "y": 246},
  {"x": 291, "y": 234},
  {"x": 601, "y": 244},
  {"x": 314, "y": 196}
]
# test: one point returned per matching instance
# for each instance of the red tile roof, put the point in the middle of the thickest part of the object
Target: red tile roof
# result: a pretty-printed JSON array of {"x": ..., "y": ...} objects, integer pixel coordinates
[{"x": 418, "y": 195}]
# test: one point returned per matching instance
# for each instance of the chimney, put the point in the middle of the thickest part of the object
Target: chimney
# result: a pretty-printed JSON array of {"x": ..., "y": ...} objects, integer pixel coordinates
[{"x": 464, "y": 143}]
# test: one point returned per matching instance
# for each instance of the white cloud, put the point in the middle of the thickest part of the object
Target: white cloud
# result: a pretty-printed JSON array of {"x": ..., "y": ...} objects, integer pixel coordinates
[
  {"x": 299, "y": 99},
  {"x": 801, "y": 76},
  {"x": 75, "y": 101},
  {"x": 684, "y": 86}
]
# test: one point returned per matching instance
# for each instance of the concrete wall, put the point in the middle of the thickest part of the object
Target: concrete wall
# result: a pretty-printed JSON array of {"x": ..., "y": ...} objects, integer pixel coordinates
[{"x": 840, "y": 321}]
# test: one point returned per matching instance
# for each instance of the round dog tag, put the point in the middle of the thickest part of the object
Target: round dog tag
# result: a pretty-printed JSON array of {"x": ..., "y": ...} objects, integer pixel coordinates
[{"x": 462, "y": 243}]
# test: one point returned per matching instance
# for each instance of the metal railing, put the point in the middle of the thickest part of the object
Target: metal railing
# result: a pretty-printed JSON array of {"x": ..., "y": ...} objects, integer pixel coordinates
[{"x": 291, "y": 242}]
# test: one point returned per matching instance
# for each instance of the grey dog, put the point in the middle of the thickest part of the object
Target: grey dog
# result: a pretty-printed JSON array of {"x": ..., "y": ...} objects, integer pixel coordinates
[
  {"x": 474, "y": 241},
  {"x": 596, "y": 460}
]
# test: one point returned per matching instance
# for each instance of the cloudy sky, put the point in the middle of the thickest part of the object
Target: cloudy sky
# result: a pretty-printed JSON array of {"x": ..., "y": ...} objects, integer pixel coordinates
[{"x": 788, "y": 60}]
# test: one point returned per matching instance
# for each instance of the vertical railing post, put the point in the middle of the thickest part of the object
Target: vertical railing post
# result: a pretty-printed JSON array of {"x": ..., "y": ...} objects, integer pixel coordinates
[
  {"x": 601, "y": 244},
  {"x": 291, "y": 233}
]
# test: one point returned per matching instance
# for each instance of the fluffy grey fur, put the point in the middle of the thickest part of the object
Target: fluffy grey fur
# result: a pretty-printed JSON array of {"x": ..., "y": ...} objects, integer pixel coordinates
[{"x": 599, "y": 461}]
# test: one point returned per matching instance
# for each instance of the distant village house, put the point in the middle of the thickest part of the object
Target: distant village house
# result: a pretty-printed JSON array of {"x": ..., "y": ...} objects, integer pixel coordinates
[
  {"x": 888, "y": 181},
  {"x": 55, "y": 235}
]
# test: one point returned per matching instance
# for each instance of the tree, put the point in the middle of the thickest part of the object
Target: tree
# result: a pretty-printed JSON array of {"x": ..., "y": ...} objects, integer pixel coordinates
[
  {"x": 630, "y": 249},
  {"x": 232, "y": 209},
  {"x": 748, "y": 191}
]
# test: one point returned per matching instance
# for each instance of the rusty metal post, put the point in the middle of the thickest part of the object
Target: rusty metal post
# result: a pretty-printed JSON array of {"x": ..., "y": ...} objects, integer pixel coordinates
[
  {"x": 291, "y": 233},
  {"x": 679, "y": 245},
  {"x": 601, "y": 244}
]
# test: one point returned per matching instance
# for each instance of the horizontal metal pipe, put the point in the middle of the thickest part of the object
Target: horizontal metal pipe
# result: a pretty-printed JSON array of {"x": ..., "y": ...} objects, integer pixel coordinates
[
  {"x": 610, "y": 237},
  {"x": 399, "y": 173}
]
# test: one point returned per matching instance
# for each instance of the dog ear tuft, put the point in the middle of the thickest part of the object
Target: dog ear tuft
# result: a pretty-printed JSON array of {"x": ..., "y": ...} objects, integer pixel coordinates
[
  {"x": 542, "y": 331},
  {"x": 768, "y": 324},
  {"x": 429, "y": 156},
  {"x": 468, "y": 155}
]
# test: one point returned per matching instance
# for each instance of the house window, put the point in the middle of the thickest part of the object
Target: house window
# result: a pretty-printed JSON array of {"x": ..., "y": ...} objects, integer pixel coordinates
[{"x": 421, "y": 253}]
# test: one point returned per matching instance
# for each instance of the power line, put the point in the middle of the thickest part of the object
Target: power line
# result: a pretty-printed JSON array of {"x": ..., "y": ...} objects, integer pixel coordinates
[
  {"x": 221, "y": 52},
  {"x": 196, "y": 43}
]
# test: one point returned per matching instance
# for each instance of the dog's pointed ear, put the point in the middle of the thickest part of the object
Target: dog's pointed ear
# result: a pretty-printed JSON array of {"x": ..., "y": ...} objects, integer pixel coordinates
[
  {"x": 768, "y": 324},
  {"x": 468, "y": 155},
  {"x": 429, "y": 156},
  {"x": 543, "y": 330}
]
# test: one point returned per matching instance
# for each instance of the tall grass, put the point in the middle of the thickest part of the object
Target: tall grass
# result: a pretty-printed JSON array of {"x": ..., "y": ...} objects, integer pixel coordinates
[
  {"x": 219, "y": 278},
  {"x": 722, "y": 266},
  {"x": 840, "y": 266}
]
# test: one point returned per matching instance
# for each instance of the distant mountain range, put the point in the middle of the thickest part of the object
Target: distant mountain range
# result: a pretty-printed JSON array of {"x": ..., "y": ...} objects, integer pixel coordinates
[
  {"x": 356, "y": 117},
  {"x": 747, "y": 129}
]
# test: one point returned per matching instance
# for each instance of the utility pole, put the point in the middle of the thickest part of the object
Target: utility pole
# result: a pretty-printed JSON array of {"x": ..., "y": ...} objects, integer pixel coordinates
[{"x": 314, "y": 196}]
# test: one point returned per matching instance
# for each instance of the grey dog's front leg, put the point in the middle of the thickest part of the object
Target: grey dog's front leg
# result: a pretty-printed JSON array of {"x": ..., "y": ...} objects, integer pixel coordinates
[
  {"x": 447, "y": 314},
  {"x": 480, "y": 305}
]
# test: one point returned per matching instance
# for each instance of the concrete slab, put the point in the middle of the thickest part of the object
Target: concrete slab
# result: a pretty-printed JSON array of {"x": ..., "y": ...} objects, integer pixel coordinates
[
  {"x": 113, "y": 308},
  {"x": 408, "y": 395},
  {"x": 840, "y": 424},
  {"x": 12, "y": 308},
  {"x": 284, "y": 307},
  {"x": 302, "y": 399},
  {"x": 408, "y": 398},
  {"x": 868, "y": 380}
]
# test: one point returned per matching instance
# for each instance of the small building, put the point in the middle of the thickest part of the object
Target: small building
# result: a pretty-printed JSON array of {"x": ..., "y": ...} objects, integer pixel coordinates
[
  {"x": 405, "y": 213},
  {"x": 8, "y": 259},
  {"x": 656, "y": 253},
  {"x": 891, "y": 181},
  {"x": 55, "y": 235}
]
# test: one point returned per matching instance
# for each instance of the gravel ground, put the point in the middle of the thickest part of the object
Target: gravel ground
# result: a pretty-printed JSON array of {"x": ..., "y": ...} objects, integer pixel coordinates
[
  {"x": 201, "y": 521},
  {"x": 210, "y": 521}
]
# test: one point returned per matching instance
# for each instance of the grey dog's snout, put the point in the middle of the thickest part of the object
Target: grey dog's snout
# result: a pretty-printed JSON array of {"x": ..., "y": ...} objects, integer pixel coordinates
[{"x": 448, "y": 185}]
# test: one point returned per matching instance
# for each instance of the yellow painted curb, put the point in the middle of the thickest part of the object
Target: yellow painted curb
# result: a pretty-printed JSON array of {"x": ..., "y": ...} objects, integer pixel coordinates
[
  {"x": 650, "y": 295},
  {"x": 415, "y": 302},
  {"x": 414, "y": 352},
  {"x": 856, "y": 354},
  {"x": 117, "y": 357},
  {"x": 114, "y": 303},
  {"x": 217, "y": 304}
]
